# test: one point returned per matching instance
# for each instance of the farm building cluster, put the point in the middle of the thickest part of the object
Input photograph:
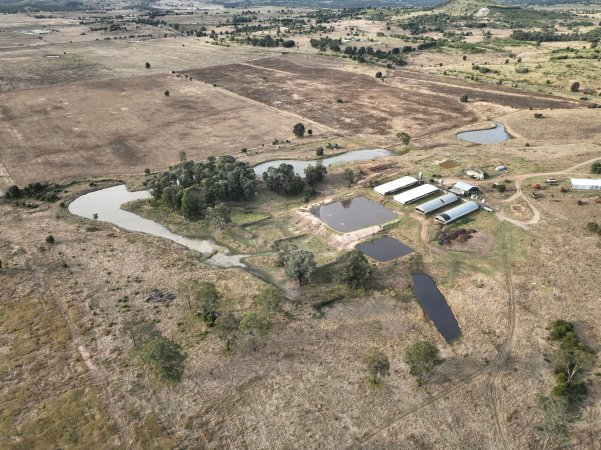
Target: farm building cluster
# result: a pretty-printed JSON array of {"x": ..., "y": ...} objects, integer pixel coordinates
[{"x": 409, "y": 190}]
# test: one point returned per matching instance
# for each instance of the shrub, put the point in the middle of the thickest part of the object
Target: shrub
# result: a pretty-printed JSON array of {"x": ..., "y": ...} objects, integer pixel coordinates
[
  {"x": 354, "y": 270},
  {"x": 50, "y": 239},
  {"x": 538, "y": 115},
  {"x": 319, "y": 151},
  {"x": 464, "y": 98},
  {"x": 13, "y": 192},
  {"x": 594, "y": 227},
  {"x": 299, "y": 130},
  {"x": 596, "y": 167},
  {"x": 166, "y": 93},
  {"x": 575, "y": 86},
  {"x": 422, "y": 358},
  {"x": 377, "y": 365},
  {"x": 165, "y": 358},
  {"x": 378, "y": 74},
  {"x": 147, "y": 65}
]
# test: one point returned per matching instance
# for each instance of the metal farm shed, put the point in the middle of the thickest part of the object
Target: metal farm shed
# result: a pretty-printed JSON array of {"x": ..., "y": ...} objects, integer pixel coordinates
[
  {"x": 395, "y": 185},
  {"x": 585, "y": 184},
  {"x": 415, "y": 194},
  {"x": 462, "y": 188},
  {"x": 437, "y": 203},
  {"x": 457, "y": 212}
]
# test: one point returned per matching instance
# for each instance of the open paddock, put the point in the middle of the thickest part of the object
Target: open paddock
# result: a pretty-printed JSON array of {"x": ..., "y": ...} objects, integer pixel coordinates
[{"x": 124, "y": 126}]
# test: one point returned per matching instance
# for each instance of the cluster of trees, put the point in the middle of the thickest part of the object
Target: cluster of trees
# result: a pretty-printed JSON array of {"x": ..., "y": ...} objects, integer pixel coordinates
[
  {"x": 361, "y": 53},
  {"x": 285, "y": 181},
  {"x": 40, "y": 191},
  {"x": 198, "y": 190},
  {"x": 422, "y": 358},
  {"x": 572, "y": 358},
  {"x": 204, "y": 301},
  {"x": 269, "y": 41},
  {"x": 326, "y": 43},
  {"x": 552, "y": 36}
]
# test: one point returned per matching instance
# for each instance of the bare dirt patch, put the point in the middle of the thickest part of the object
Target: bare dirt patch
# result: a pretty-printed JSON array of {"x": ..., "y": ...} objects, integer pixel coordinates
[{"x": 369, "y": 106}]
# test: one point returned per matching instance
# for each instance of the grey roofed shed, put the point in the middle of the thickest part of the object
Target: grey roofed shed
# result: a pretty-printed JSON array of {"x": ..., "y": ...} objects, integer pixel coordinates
[
  {"x": 437, "y": 203},
  {"x": 462, "y": 188},
  {"x": 457, "y": 212}
]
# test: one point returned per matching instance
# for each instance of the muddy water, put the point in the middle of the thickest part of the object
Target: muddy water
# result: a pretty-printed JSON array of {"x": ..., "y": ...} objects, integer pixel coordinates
[
  {"x": 435, "y": 306},
  {"x": 300, "y": 166},
  {"x": 384, "y": 249},
  {"x": 494, "y": 135},
  {"x": 106, "y": 203},
  {"x": 353, "y": 214}
]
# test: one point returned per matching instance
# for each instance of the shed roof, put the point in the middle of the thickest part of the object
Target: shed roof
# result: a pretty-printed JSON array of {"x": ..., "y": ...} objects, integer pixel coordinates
[
  {"x": 415, "y": 194},
  {"x": 463, "y": 186},
  {"x": 585, "y": 183},
  {"x": 395, "y": 185},
  {"x": 458, "y": 211},
  {"x": 437, "y": 203}
]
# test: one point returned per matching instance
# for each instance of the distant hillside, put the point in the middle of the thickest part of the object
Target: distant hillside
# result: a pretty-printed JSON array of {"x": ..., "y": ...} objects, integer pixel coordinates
[{"x": 452, "y": 6}]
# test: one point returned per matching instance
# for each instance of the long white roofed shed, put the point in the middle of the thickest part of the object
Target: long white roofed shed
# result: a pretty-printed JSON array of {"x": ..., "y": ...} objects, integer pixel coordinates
[
  {"x": 415, "y": 194},
  {"x": 585, "y": 183},
  {"x": 395, "y": 185},
  {"x": 457, "y": 212},
  {"x": 437, "y": 203}
]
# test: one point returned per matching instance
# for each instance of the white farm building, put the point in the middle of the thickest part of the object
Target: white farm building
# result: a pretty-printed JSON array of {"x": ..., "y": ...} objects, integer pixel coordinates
[
  {"x": 457, "y": 212},
  {"x": 585, "y": 184},
  {"x": 395, "y": 185},
  {"x": 415, "y": 194}
]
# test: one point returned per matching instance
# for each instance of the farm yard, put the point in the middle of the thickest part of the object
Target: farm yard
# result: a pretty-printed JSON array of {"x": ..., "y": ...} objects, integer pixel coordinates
[{"x": 311, "y": 338}]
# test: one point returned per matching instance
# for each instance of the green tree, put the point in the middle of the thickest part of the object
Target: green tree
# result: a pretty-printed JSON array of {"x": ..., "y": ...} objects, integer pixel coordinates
[
  {"x": 349, "y": 176},
  {"x": 299, "y": 130},
  {"x": 596, "y": 167},
  {"x": 165, "y": 358},
  {"x": 13, "y": 192},
  {"x": 404, "y": 137},
  {"x": 377, "y": 365},
  {"x": 315, "y": 174},
  {"x": 256, "y": 324},
  {"x": 422, "y": 358},
  {"x": 227, "y": 326},
  {"x": 299, "y": 265},
  {"x": 192, "y": 203},
  {"x": 206, "y": 301},
  {"x": 283, "y": 180},
  {"x": 219, "y": 215},
  {"x": 319, "y": 151},
  {"x": 354, "y": 270}
]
